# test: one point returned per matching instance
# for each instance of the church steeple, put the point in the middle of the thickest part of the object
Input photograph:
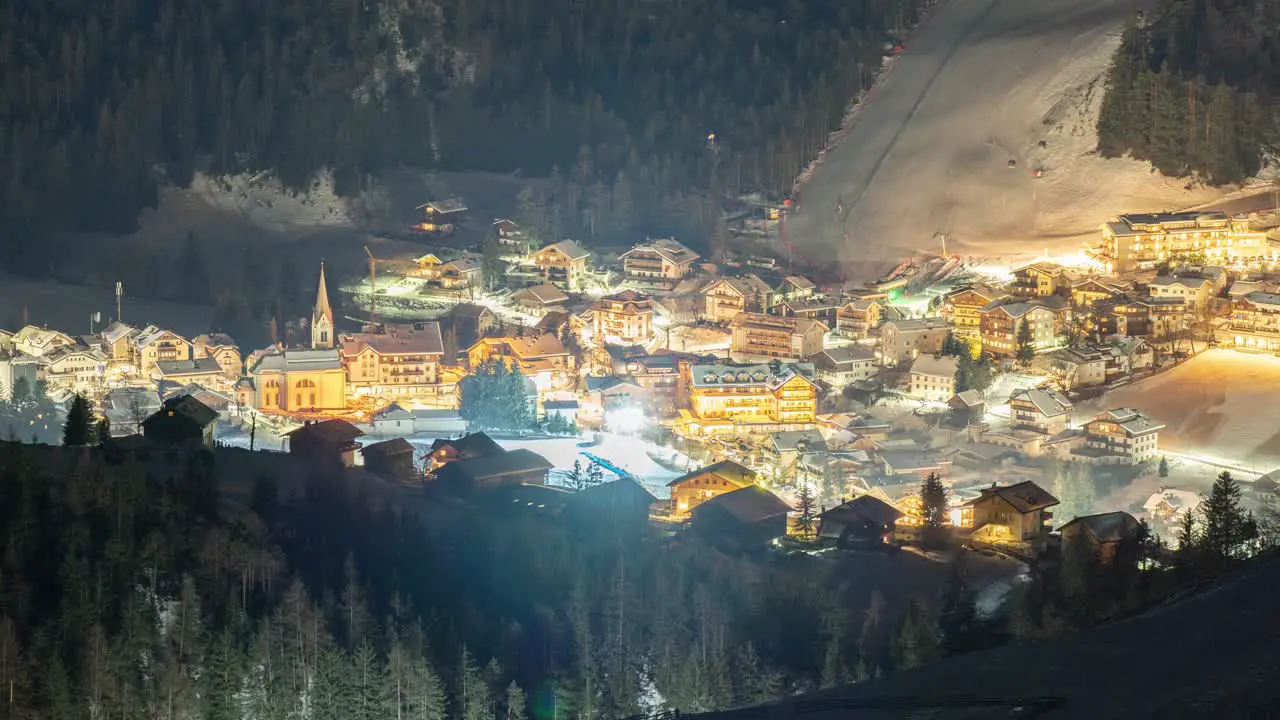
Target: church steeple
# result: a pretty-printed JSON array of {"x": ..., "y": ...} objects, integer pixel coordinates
[{"x": 322, "y": 318}]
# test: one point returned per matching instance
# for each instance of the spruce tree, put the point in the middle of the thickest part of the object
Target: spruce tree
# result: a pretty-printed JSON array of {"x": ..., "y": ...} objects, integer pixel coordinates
[
  {"x": 1224, "y": 518},
  {"x": 933, "y": 511},
  {"x": 515, "y": 704},
  {"x": 1163, "y": 470},
  {"x": 1026, "y": 349},
  {"x": 805, "y": 510},
  {"x": 78, "y": 428}
]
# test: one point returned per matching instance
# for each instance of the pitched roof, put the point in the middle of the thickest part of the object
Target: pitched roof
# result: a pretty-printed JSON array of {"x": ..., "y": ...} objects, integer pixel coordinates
[
  {"x": 791, "y": 439},
  {"x": 527, "y": 347},
  {"x": 488, "y": 466},
  {"x": 845, "y": 355},
  {"x": 750, "y": 504},
  {"x": 1049, "y": 403},
  {"x": 725, "y": 469},
  {"x": 1106, "y": 527},
  {"x": 188, "y": 407},
  {"x": 189, "y": 367},
  {"x": 117, "y": 331},
  {"x": 1025, "y": 496},
  {"x": 866, "y": 507},
  {"x": 570, "y": 249},
  {"x": 724, "y": 374},
  {"x": 322, "y": 308},
  {"x": 607, "y": 493},
  {"x": 471, "y": 445},
  {"x": 939, "y": 366},
  {"x": 418, "y": 338},
  {"x": 299, "y": 361},
  {"x": 545, "y": 294},
  {"x": 668, "y": 248},
  {"x": 386, "y": 448},
  {"x": 799, "y": 282},
  {"x": 327, "y": 432},
  {"x": 469, "y": 310}
]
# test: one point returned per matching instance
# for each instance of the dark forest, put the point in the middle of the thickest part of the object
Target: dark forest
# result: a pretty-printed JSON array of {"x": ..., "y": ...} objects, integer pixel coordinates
[
  {"x": 1196, "y": 89},
  {"x": 105, "y": 103}
]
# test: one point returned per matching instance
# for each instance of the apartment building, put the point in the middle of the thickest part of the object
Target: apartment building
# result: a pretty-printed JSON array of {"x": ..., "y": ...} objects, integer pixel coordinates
[
  {"x": 662, "y": 263},
  {"x": 71, "y": 367},
  {"x": 1120, "y": 437},
  {"x": 152, "y": 344},
  {"x": 846, "y": 364},
  {"x": 1143, "y": 240},
  {"x": 625, "y": 317},
  {"x": 542, "y": 358},
  {"x": 963, "y": 308},
  {"x": 1151, "y": 316},
  {"x": 1041, "y": 410},
  {"x": 222, "y": 349},
  {"x": 1195, "y": 292},
  {"x": 859, "y": 318},
  {"x": 563, "y": 264},
  {"x": 1040, "y": 279},
  {"x": 904, "y": 340},
  {"x": 1000, "y": 322},
  {"x": 725, "y": 298},
  {"x": 772, "y": 336},
  {"x": 1090, "y": 291},
  {"x": 933, "y": 378},
  {"x": 725, "y": 399},
  {"x": 1254, "y": 325},
  {"x": 403, "y": 361},
  {"x": 38, "y": 341}
]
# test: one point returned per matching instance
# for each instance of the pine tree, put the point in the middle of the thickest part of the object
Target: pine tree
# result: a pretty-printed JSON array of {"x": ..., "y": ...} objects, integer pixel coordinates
[
  {"x": 805, "y": 509},
  {"x": 933, "y": 511},
  {"x": 595, "y": 474},
  {"x": 1163, "y": 470},
  {"x": 78, "y": 428}
]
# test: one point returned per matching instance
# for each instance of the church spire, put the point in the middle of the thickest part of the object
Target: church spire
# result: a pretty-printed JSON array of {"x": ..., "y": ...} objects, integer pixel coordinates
[{"x": 322, "y": 317}]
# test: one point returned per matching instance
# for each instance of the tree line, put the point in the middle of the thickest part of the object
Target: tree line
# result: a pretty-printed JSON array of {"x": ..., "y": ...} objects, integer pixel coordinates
[
  {"x": 1194, "y": 91},
  {"x": 104, "y": 107}
]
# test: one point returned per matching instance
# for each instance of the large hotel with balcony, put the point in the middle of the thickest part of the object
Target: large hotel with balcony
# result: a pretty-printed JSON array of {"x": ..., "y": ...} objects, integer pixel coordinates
[
  {"x": 1255, "y": 324},
  {"x": 1142, "y": 241},
  {"x": 749, "y": 399}
]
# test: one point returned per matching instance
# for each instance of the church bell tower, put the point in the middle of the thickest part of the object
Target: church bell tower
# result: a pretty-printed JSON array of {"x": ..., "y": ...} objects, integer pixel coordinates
[{"x": 322, "y": 318}]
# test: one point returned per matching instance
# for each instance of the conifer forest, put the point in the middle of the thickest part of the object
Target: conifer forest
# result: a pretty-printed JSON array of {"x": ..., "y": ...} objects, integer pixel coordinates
[
  {"x": 1195, "y": 89},
  {"x": 105, "y": 103}
]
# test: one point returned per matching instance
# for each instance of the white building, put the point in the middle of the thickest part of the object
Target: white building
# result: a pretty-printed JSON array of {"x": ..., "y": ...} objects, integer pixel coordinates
[
  {"x": 933, "y": 379},
  {"x": 1120, "y": 437},
  {"x": 840, "y": 366}
]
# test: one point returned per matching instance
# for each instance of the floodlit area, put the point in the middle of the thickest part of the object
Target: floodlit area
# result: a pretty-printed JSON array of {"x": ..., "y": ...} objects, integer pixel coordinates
[
  {"x": 951, "y": 142},
  {"x": 1221, "y": 406}
]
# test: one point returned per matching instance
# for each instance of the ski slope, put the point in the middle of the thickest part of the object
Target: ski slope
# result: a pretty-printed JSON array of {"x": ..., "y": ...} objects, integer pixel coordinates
[{"x": 981, "y": 83}]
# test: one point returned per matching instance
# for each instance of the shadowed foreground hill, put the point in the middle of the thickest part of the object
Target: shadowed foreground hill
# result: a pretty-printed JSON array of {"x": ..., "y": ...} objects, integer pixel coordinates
[{"x": 1209, "y": 654}]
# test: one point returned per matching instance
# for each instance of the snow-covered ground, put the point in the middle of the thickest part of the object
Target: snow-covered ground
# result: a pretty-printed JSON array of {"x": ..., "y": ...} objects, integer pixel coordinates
[
  {"x": 1220, "y": 406},
  {"x": 981, "y": 83},
  {"x": 628, "y": 453}
]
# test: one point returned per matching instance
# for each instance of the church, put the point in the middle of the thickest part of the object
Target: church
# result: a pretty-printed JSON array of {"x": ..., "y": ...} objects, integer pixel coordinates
[{"x": 301, "y": 380}]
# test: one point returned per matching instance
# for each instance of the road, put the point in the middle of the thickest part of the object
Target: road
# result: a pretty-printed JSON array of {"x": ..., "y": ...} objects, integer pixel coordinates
[{"x": 981, "y": 83}]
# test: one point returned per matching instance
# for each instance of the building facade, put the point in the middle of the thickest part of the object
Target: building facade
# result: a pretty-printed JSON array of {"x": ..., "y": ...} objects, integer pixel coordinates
[
  {"x": 562, "y": 264},
  {"x": 625, "y": 317},
  {"x": 1143, "y": 240},
  {"x": 402, "y": 362},
  {"x": 1121, "y": 437},
  {"x": 1254, "y": 325},
  {"x": 723, "y": 299},
  {"x": 299, "y": 381},
  {"x": 904, "y": 340},
  {"x": 662, "y": 262},
  {"x": 728, "y": 398},
  {"x": 772, "y": 336},
  {"x": 1000, "y": 324},
  {"x": 933, "y": 379}
]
